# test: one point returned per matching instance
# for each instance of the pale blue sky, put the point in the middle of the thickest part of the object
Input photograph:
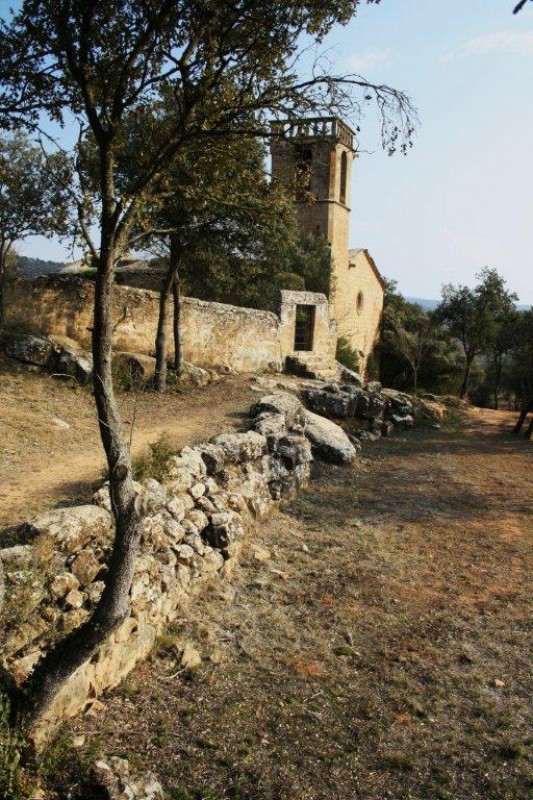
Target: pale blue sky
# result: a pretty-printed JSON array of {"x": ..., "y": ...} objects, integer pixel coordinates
[{"x": 462, "y": 198}]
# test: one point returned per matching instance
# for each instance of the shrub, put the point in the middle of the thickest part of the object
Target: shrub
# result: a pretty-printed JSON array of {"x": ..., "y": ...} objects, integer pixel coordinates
[
  {"x": 14, "y": 783},
  {"x": 156, "y": 462},
  {"x": 346, "y": 354}
]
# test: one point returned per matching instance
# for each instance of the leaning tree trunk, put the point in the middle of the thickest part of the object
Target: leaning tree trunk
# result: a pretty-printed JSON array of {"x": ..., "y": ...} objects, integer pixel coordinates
[
  {"x": 529, "y": 430},
  {"x": 61, "y": 662}
]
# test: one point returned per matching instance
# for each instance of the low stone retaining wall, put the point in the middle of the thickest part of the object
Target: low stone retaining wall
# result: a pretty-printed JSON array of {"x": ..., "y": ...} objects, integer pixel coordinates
[{"x": 192, "y": 531}]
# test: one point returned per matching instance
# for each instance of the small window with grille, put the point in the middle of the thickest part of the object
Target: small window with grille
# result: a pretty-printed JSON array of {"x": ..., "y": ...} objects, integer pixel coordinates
[{"x": 304, "y": 328}]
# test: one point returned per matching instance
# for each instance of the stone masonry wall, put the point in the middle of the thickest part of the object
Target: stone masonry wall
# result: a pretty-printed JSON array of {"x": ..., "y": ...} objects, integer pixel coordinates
[
  {"x": 213, "y": 334},
  {"x": 192, "y": 528},
  {"x": 360, "y": 325}
]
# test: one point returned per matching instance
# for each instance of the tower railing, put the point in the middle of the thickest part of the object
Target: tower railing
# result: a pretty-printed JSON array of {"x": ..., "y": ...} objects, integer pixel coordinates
[{"x": 315, "y": 128}]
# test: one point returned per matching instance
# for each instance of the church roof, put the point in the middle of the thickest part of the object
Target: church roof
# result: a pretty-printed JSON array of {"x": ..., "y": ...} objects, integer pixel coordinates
[{"x": 357, "y": 251}]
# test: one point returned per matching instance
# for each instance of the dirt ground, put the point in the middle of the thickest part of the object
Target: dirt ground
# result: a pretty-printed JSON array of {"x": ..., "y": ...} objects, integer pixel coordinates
[
  {"x": 374, "y": 643},
  {"x": 50, "y": 447}
]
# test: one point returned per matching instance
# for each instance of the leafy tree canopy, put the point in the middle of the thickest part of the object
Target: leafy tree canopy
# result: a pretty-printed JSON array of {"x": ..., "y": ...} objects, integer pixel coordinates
[{"x": 31, "y": 202}]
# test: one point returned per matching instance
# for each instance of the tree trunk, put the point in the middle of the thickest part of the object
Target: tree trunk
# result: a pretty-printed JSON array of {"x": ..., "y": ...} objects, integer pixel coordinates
[
  {"x": 497, "y": 380},
  {"x": 76, "y": 648},
  {"x": 466, "y": 377},
  {"x": 527, "y": 406},
  {"x": 178, "y": 350},
  {"x": 3, "y": 281},
  {"x": 175, "y": 260},
  {"x": 161, "y": 337},
  {"x": 2, "y": 289},
  {"x": 520, "y": 421}
]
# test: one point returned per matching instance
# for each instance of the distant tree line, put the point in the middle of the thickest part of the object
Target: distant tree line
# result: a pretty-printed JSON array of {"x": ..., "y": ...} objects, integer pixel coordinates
[{"x": 475, "y": 343}]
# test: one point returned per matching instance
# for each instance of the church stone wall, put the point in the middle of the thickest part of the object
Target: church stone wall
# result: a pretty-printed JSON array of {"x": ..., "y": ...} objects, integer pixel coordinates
[{"x": 359, "y": 304}]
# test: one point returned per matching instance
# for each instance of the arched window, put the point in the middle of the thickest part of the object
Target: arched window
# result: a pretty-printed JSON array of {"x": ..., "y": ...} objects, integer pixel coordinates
[
  {"x": 344, "y": 176},
  {"x": 360, "y": 302},
  {"x": 304, "y": 166}
]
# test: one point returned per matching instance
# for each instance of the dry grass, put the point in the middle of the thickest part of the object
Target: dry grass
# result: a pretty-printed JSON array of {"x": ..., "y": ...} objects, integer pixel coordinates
[
  {"x": 383, "y": 650},
  {"x": 44, "y": 465}
]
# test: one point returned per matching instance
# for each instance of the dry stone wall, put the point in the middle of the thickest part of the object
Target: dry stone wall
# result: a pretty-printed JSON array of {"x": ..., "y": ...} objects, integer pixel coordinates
[
  {"x": 53, "y": 568},
  {"x": 192, "y": 531}
]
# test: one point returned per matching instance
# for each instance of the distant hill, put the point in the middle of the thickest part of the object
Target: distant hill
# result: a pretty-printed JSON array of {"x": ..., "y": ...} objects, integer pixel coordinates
[
  {"x": 431, "y": 305},
  {"x": 33, "y": 267},
  {"x": 427, "y": 305}
]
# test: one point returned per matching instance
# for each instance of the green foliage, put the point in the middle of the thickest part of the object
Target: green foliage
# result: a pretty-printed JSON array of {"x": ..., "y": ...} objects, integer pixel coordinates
[
  {"x": 14, "y": 782},
  {"x": 31, "y": 200},
  {"x": 156, "y": 462},
  {"x": 474, "y": 316},
  {"x": 517, "y": 367},
  {"x": 346, "y": 354},
  {"x": 412, "y": 340}
]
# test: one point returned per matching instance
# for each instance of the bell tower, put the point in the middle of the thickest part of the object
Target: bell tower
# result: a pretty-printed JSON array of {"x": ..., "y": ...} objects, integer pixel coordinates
[{"x": 313, "y": 158}]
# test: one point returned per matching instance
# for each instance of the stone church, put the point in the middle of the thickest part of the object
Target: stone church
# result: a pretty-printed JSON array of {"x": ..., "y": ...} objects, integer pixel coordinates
[{"x": 314, "y": 158}]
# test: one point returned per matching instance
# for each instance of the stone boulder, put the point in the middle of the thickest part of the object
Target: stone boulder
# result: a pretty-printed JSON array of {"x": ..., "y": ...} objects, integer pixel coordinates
[
  {"x": 30, "y": 349},
  {"x": 135, "y": 366},
  {"x": 114, "y": 780},
  {"x": 241, "y": 447},
  {"x": 328, "y": 440},
  {"x": 429, "y": 409},
  {"x": 282, "y": 403},
  {"x": 198, "y": 376},
  {"x": 329, "y": 403},
  {"x": 72, "y": 359},
  {"x": 349, "y": 375}
]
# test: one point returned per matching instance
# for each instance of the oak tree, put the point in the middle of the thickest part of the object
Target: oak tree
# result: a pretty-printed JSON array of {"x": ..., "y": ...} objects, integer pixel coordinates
[{"x": 471, "y": 316}]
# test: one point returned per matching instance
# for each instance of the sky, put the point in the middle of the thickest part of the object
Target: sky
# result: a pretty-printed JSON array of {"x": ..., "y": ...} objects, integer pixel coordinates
[{"x": 462, "y": 198}]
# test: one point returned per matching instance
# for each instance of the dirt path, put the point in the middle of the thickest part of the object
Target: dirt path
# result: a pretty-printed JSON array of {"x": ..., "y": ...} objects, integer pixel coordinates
[
  {"x": 377, "y": 647},
  {"x": 50, "y": 447}
]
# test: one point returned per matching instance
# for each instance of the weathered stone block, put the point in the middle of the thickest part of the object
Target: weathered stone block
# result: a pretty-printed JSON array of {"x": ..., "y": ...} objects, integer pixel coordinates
[
  {"x": 328, "y": 440},
  {"x": 329, "y": 404},
  {"x": 71, "y": 528},
  {"x": 30, "y": 349},
  {"x": 240, "y": 448}
]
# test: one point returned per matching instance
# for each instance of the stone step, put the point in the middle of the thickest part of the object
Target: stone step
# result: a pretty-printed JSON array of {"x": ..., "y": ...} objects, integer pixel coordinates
[{"x": 313, "y": 366}]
